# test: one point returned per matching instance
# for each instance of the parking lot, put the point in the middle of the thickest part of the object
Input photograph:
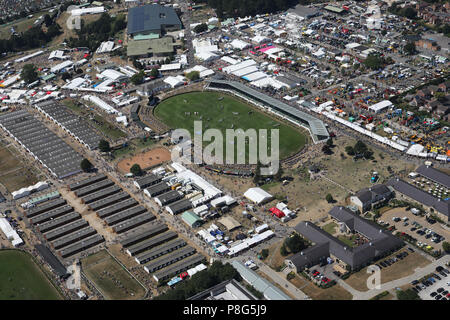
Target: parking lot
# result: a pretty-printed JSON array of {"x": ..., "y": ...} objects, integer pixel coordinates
[
  {"x": 436, "y": 287},
  {"x": 421, "y": 224}
]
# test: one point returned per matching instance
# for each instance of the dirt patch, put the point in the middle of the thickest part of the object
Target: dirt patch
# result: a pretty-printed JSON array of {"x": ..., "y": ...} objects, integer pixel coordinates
[
  {"x": 336, "y": 292},
  {"x": 399, "y": 269},
  {"x": 145, "y": 160}
]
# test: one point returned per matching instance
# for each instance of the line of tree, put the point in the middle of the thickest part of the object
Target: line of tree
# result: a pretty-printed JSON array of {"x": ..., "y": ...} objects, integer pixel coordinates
[
  {"x": 239, "y": 8},
  {"x": 32, "y": 38},
  {"x": 215, "y": 274},
  {"x": 92, "y": 34}
]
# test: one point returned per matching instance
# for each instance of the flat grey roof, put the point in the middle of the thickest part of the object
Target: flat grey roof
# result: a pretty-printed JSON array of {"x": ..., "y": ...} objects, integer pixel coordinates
[
  {"x": 150, "y": 17},
  {"x": 102, "y": 203},
  {"x": 434, "y": 175},
  {"x": 149, "y": 255},
  {"x": 54, "y": 213},
  {"x": 134, "y": 222},
  {"x": 55, "y": 223},
  {"x": 169, "y": 259},
  {"x": 153, "y": 230},
  {"x": 66, "y": 229},
  {"x": 93, "y": 187},
  {"x": 50, "y": 150},
  {"x": 81, "y": 246},
  {"x": 45, "y": 207},
  {"x": 124, "y": 215},
  {"x": 101, "y": 194},
  {"x": 85, "y": 182},
  {"x": 73, "y": 237},
  {"x": 178, "y": 267},
  {"x": 152, "y": 242},
  {"x": 117, "y": 207}
]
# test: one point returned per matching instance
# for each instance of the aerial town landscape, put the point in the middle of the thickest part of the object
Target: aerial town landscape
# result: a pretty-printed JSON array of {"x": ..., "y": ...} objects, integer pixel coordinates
[{"x": 335, "y": 183}]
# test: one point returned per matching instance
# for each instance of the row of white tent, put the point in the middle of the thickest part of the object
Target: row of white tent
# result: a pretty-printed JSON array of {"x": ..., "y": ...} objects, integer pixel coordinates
[
  {"x": 23, "y": 192},
  {"x": 10, "y": 233}
]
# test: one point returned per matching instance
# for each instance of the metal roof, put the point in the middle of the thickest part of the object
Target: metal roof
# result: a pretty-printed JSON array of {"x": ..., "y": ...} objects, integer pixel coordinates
[
  {"x": 151, "y": 17},
  {"x": 316, "y": 126}
]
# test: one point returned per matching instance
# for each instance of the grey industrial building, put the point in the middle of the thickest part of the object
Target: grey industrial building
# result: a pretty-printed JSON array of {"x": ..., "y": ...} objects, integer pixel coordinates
[
  {"x": 404, "y": 189},
  {"x": 65, "y": 229},
  {"x": 152, "y": 231},
  {"x": 81, "y": 192},
  {"x": 180, "y": 266},
  {"x": 147, "y": 181},
  {"x": 73, "y": 237},
  {"x": 169, "y": 259},
  {"x": 34, "y": 211},
  {"x": 152, "y": 18},
  {"x": 226, "y": 290},
  {"x": 381, "y": 242},
  {"x": 316, "y": 127},
  {"x": 150, "y": 243},
  {"x": 179, "y": 206},
  {"x": 167, "y": 198},
  {"x": 134, "y": 222},
  {"x": 159, "y": 251},
  {"x": 157, "y": 189},
  {"x": 72, "y": 124},
  {"x": 434, "y": 175},
  {"x": 124, "y": 215},
  {"x": 81, "y": 246},
  {"x": 52, "y": 214},
  {"x": 103, "y": 203},
  {"x": 102, "y": 194},
  {"x": 58, "y": 222},
  {"x": 115, "y": 208},
  {"x": 86, "y": 182},
  {"x": 46, "y": 147}
]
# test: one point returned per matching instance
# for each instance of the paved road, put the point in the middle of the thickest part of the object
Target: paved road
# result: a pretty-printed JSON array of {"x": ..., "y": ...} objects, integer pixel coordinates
[{"x": 419, "y": 273}]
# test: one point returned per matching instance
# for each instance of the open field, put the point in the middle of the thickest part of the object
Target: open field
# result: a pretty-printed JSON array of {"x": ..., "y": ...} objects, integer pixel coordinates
[
  {"x": 335, "y": 292},
  {"x": 399, "y": 269},
  {"x": 110, "y": 277},
  {"x": 13, "y": 174},
  {"x": 103, "y": 126},
  {"x": 21, "y": 278},
  {"x": 226, "y": 113},
  {"x": 145, "y": 160}
]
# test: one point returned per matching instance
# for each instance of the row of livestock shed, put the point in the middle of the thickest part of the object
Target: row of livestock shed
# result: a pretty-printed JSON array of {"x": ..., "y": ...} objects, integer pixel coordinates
[
  {"x": 63, "y": 228},
  {"x": 45, "y": 146},
  {"x": 71, "y": 123}
]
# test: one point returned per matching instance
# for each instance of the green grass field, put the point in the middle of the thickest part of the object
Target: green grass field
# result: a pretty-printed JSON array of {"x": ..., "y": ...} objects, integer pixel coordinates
[
  {"x": 21, "y": 278},
  {"x": 226, "y": 113},
  {"x": 111, "y": 278}
]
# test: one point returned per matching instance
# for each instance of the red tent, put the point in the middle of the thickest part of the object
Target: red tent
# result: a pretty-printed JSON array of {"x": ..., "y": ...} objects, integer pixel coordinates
[{"x": 277, "y": 212}]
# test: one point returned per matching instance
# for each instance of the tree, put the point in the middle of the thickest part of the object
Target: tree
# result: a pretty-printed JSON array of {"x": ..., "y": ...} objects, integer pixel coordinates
[
  {"x": 374, "y": 62},
  {"x": 137, "y": 78},
  {"x": 201, "y": 28},
  {"x": 29, "y": 73},
  {"x": 85, "y": 165},
  {"x": 154, "y": 72},
  {"x": 104, "y": 146},
  {"x": 264, "y": 253},
  {"x": 295, "y": 243},
  {"x": 330, "y": 142},
  {"x": 137, "y": 64},
  {"x": 329, "y": 198},
  {"x": 136, "y": 169},
  {"x": 283, "y": 250},
  {"x": 446, "y": 246},
  {"x": 193, "y": 75},
  {"x": 410, "y": 48},
  {"x": 367, "y": 154},
  {"x": 326, "y": 149},
  {"x": 360, "y": 147},
  {"x": 65, "y": 76},
  {"x": 440, "y": 96},
  {"x": 257, "y": 175},
  {"x": 279, "y": 174},
  {"x": 349, "y": 150},
  {"x": 167, "y": 61}
]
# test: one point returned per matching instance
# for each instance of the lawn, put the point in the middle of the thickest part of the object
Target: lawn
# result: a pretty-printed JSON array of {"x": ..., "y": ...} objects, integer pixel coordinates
[
  {"x": 330, "y": 228},
  {"x": 20, "y": 25},
  {"x": 220, "y": 111},
  {"x": 134, "y": 146},
  {"x": 111, "y": 278},
  {"x": 21, "y": 278},
  {"x": 13, "y": 174},
  {"x": 399, "y": 269},
  {"x": 348, "y": 240}
]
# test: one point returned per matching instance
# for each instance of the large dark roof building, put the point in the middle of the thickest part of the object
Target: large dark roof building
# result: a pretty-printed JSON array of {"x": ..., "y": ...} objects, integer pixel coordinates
[
  {"x": 380, "y": 242},
  {"x": 152, "y": 18},
  {"x": 366, "y": 197},
  {"x": 410, "y": 191},
  {"x": 434, "y": 175}
]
